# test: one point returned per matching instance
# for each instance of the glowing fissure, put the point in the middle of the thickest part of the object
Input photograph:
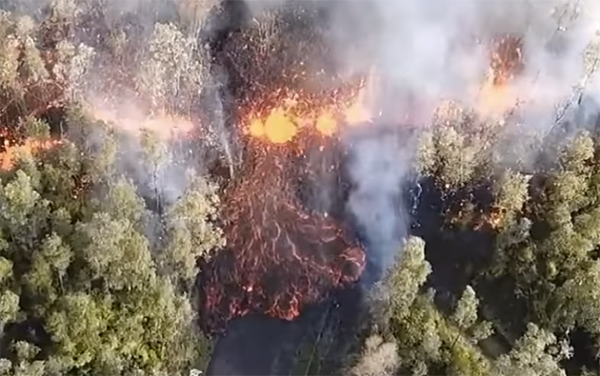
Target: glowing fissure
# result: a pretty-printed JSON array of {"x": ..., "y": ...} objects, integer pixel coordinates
[{"x": 279, "y": 257}]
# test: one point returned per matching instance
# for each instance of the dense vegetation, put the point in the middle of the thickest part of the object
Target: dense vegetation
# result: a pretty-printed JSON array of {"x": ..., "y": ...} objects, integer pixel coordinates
[
  {"x": 533, "y": 282},
  {"x": 98, "y": 255},
  {"x": 94, "y": 277}
]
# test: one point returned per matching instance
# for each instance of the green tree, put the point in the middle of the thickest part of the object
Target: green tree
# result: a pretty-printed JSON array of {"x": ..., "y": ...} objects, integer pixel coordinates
[
  {"x": 91, "y": 280},
  {"x": 426, "y": 341},
  {"x": 191, "y": 233},
  {"x": 510, "y": 194},
  {"x": 174, "y": 68},
  {"x": 547, "y": 252},
  {"x": 451, "y": 156},
  {"x": 537, "y": 353},
  {"x": 465, "y": 314},
  {"x": 87, "y": 272},
  {"x": 401, "y": 285},
  {"x": 378, "y": 358}
]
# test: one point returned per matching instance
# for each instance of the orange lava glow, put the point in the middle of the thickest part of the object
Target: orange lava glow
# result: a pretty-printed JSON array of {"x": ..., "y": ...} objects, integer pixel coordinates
[
  {"x": 326, "y": 124},
  {"x": 279, "y": 256},
  {"x": 284, "y": 122},
  {"x": 278, "y": 127}
]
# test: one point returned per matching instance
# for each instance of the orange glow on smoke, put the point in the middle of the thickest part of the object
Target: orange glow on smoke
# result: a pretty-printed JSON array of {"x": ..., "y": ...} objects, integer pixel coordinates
[
  {"x": 498, "y": 94},
  {"x": 132, "y": 119},
  {"x": 495, "y": 98},
  {"x": 357, "y": 112},
  {"x": 10, "y": 152},
  {"x": 326, "y": 124}
]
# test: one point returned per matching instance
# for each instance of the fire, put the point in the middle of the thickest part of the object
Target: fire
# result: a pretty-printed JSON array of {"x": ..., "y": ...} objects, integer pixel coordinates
[
  {"x": 10, "y": 151},
  {"x": 491, "y": 220},
  {"x": 498, "y": 95}
]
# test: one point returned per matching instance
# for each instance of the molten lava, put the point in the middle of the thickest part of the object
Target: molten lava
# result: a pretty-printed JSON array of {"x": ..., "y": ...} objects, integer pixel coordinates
[{"x": 279, "y": 256}]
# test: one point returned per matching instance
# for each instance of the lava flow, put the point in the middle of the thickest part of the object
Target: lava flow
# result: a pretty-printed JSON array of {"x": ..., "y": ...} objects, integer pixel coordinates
[{"x": 279, "y": 257}]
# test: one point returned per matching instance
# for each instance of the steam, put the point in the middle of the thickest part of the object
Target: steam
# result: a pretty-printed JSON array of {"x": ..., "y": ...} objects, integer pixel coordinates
[
  {"x": 428, "y": 51},
  {"x": 157, "y": 80},
  {"x": 379, "y": 164}
]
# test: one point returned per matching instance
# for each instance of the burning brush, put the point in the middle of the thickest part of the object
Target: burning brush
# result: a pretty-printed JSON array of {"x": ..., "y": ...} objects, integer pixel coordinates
[{"x": 11, "y": 147}]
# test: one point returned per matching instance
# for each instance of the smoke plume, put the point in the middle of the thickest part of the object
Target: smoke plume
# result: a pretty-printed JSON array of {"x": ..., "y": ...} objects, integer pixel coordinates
[{"x": 424, "y": 52}]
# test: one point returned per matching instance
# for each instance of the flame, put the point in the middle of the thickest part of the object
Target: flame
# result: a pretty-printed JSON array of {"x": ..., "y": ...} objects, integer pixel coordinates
[
  {"x": 10, "y": 152},
  {"x": 492, "y": 220},
  {"x": 497, "y": 95}
]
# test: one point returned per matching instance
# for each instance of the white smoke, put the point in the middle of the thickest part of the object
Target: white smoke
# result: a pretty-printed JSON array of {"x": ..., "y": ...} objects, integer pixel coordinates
[
  {"x": 425, "y": 51},
  {"x": 379, "y": 164},
  {"x": 437, "y": 49}
]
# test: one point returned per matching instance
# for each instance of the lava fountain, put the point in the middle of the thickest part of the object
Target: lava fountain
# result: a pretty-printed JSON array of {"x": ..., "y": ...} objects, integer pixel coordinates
[{"x": 280, "y": 256}]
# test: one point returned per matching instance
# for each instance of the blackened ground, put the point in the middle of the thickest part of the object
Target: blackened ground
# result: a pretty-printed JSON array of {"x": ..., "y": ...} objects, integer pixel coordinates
[
  {"x": 455, "y": 255},
  {"x": 315, "y": 343},
  {"x": 252, "y": 345}
]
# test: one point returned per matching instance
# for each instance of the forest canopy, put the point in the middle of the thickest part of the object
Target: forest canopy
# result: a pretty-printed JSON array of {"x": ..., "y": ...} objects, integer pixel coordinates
[
  {"x": 97, "y": 264},
  {"x": 105, "y": 218}
]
